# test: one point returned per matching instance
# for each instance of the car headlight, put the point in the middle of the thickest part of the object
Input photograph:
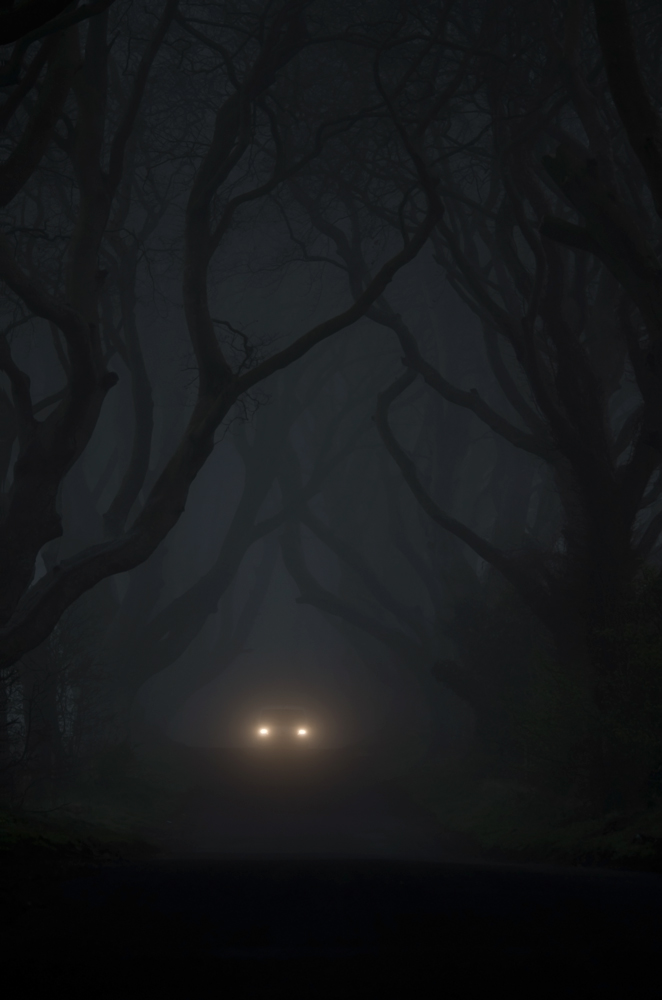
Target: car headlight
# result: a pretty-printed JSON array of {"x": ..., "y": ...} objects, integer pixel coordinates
[
  {"x": 263, "y": 731},
  {"x": 302, "y": 732}
]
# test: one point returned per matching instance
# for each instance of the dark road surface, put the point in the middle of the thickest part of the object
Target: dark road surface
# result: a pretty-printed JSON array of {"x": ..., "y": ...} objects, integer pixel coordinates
[
  {"x": 316, "y": 804},
  {"x": 318, "y": 880}
]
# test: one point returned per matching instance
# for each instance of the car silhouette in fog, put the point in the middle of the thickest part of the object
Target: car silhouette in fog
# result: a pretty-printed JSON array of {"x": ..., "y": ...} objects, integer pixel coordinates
[{"x": 282, "y": 724}]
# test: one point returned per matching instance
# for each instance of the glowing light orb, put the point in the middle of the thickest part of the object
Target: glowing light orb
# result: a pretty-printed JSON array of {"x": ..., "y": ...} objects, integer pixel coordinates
[
  {"x": 264, "y": 732},
  {"x": 302, "y": 732}
]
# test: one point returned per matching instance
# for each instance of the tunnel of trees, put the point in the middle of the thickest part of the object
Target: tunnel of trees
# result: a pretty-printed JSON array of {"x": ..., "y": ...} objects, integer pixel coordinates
[{"x": 385, "y": 279}]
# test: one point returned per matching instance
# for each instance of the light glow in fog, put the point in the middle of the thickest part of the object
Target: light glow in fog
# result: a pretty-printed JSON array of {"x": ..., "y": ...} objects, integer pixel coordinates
[
  {"x": 302, "y": 732},
  {"x": 264, "y": 732}
]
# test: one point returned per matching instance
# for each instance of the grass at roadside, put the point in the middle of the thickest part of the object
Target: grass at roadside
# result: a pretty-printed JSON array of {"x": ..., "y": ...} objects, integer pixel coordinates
[
  {"x": 38, "y": 850},
  {"x": 96, "y": 816},
  {"x": 63, "y": 839},
  {"x": 505, "y": 820}
]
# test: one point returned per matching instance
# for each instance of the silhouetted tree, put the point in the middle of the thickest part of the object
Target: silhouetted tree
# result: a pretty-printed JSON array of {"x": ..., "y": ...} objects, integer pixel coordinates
[{"x": 252, "y": 149}]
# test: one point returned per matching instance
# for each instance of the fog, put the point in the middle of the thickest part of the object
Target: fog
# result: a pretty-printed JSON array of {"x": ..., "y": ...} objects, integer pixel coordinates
[{"x": 330, "y": 378}]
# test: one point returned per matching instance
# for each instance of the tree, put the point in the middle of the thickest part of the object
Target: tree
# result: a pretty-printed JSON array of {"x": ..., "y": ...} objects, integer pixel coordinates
[
  {"x": 567, "y": 309},
  {"x": 250, "y": 152},
  {"x": 562, "y": 332}
]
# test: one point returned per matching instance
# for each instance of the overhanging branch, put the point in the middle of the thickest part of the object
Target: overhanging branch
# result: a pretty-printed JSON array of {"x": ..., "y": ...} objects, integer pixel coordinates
[{"x": 535, "y": 595}]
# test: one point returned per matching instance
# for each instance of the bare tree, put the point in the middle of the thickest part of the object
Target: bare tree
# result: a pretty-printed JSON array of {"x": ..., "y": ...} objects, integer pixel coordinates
[
  {"x": 245, "y": 157},
  {"x": 569, "y": 309}
]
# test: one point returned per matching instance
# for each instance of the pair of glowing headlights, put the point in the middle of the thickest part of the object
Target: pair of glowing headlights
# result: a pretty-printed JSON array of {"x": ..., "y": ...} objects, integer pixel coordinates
[{"x": 264, "y": 731}]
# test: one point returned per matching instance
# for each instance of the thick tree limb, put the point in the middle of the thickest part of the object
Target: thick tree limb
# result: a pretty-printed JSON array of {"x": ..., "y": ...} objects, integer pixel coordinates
[
  {"x": 22, "y": 18},
  {"x": 34, "y": 19},
  {"x": 640, "y": 120},
  {"x": 21, "y": 397},
  {"x": 143, "y": 404},
  {"x": 535, "y": 444},
  {"x": 570, "y": 235},
  {"x": 24, "y": 159},
  {"x": 40, "y": 303},
  {"x": 30, "y": 77},
  {"x": 609, "y": 233},
  {"x": 359, "y": 307}
]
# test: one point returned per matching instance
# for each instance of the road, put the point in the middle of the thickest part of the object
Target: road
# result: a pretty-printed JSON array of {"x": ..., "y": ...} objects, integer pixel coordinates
[
  {"x": 292, "y": 804},
  {"x": 281, "y": 878}
]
